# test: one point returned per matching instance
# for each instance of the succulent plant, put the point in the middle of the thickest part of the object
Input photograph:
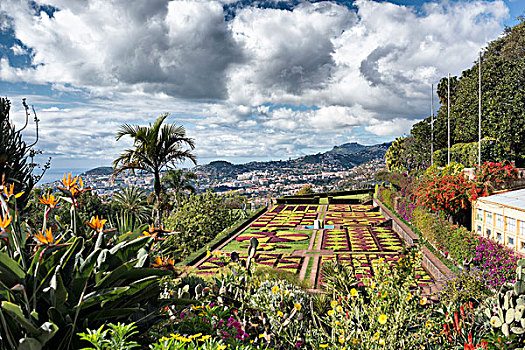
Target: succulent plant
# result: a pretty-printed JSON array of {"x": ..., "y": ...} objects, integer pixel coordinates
[{"x": 506, "y": 310}]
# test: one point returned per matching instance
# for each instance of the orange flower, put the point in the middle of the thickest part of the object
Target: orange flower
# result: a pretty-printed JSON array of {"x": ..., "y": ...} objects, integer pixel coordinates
[
  {"x": 8, "y": 191},
  {"x": 49, "y": 200},
  {"x": 5, "y": 221},
  {"x": 75, "y": 186},
  {"x": 164, "y": 262},
  {"x": 68, "y": 183},
  {"x": 96, "y": 224},
  {"x": 47, "y": 237}
]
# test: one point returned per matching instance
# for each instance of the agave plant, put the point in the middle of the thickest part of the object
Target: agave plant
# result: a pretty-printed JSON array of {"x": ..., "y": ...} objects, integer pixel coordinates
[{"x": 63, "y": 280}]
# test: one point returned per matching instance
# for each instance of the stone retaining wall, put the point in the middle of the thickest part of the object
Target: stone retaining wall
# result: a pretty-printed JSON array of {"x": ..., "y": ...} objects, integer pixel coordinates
[{"x": 439, "y": 271}]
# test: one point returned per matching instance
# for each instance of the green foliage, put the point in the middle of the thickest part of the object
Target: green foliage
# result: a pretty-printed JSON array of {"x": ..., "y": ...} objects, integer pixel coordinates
[
  {"x": 132, "y": 204},
  {"x": 454, "y": 242},
  {"x": 74, "y": 277},
  {"x": 467, "y": 153},
  {"x": 466, "y": 286},
  {"x": 15, "y": 167},
  {"x": 451, "y": 169},
  {"x": 503, "y": 99},
  {"x": 116, "y": 337},
  {"x": 199, "y": 218},
  {"x": 305, "y": 190},
  {"x": 385, "y": 313},
  {"x": 394, "y": 154}
]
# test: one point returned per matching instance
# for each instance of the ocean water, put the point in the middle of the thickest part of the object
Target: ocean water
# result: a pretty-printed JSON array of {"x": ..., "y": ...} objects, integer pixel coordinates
[{"x": 54, "y": 174}]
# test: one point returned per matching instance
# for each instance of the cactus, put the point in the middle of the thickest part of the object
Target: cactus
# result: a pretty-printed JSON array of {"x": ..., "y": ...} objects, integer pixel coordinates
[{"x": 506, "y": 309}]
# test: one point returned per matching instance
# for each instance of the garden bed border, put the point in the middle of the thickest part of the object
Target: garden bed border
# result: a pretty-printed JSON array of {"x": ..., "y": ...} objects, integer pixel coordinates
[{"x": 437, "y": 269}]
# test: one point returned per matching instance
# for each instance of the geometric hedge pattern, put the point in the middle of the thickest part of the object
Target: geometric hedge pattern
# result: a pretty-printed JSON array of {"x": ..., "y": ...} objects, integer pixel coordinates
[{"x": 352, "y": 238}]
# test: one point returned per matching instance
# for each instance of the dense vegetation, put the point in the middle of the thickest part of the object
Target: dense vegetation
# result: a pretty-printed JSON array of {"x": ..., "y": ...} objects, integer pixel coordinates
[{"x": 503, "y": 106}]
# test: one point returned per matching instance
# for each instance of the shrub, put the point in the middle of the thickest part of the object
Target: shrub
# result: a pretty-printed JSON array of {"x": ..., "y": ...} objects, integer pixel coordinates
[
  {"x": 466, "y": 286},
  {"x": 387, "y": 312},
  {"x": 454, "y": 242},
  {"x": 498, "y": 260}
]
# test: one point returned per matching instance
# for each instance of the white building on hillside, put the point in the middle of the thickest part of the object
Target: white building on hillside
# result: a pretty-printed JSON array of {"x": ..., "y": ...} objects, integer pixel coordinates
[{"x": 501, "y": 217}]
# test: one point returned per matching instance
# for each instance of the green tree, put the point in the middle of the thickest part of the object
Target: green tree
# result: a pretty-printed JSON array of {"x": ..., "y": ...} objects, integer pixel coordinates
[
  {"x": 503, "y": 97},
  {"x": 306, "y": 189},
  {"x": 132, "y": 201},
  {"x": 178, "y": 181},
  {"x": 394, "y": 155},
  {"x": 199, "y": 218},
  {"x": 155, "y": 147}
]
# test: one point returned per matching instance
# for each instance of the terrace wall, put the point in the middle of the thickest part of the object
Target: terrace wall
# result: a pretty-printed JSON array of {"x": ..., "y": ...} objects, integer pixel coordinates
[{"x": 431, "y": 263}]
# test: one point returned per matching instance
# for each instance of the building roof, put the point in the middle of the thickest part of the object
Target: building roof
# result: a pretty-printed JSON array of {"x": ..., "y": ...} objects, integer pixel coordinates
[{"x": 514, "y": 199}]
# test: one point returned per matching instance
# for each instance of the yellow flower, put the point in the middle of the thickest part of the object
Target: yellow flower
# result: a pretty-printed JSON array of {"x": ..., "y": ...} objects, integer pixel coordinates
[
  {"x": 46, "y": 237},
  {"x": 341, "y": 339},
  {"x": 297, "y": 306},
  {"x": 384, "y": 294},
  {"x": 5, "y": 221},
  {"x": 428, "y": 324},
  {"x": 275, "y": 289},
  {"x": 381, "y": 260},
  {"x": 221, "y": 347},
  {"x": 330, "y": 312},
  {"x": 49, "y": 200},
  {"x": 376, "y": 336},
  {"x": 280, "y": 313},
  {"x": 382, "y": 342},
  {"x": 424, "y": 301},
  {"x": 323, "y": 345},
  {"x": 333, "y": 303},
  {"x": 372, "y": 284},
  {"x": 96, "y": 224},
  {"x": 382, "y": 318},
  {"x": 409, "y": 296},
  {"x": 205, "y": 337},
  {"x": 339, "y": 308},
  {"x": 353, "y": 292}
]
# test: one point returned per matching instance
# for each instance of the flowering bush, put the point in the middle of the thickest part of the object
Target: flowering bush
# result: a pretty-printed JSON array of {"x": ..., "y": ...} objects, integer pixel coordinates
[
  {"x": 465, "y": 286},
  {"x": 499, "y": 262},
  {"x": 490, "y": 177},
  {"x": 386, "y": 313}
]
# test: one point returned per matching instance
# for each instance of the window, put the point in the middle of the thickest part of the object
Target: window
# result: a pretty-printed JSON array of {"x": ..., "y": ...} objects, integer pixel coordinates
[
  {"x": 511, "y": 224},
  {"x": 499, "y": 221},
  {"x": 499, "y": 236},
  {"x": 510, "y": 241},
  {"x": 480, "y": 215},
  {"x": 522, "y": 227},
  {"x": 522, "y": 246},
  {"x": 489, "y": 218},
  {"x": 488, "y": 233},
  {"x": 480, "y": 230}
]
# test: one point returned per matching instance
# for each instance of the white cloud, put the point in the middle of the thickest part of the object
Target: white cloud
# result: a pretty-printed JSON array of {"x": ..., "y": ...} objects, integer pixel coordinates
[{"x": 268, "y": 83}]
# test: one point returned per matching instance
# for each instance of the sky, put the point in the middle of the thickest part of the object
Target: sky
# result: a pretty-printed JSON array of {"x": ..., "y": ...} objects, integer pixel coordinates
[{"x": 249, "y": 80}]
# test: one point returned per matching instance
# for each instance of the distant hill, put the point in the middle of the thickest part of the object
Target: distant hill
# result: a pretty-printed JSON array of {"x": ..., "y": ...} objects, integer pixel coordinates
[
  {"x": 103, "y": 170},
  {"x": 347, "y": 155}
]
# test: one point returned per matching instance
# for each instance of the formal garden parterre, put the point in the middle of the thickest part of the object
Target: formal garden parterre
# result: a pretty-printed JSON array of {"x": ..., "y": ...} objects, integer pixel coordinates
[{"x": 287, "y": 241}]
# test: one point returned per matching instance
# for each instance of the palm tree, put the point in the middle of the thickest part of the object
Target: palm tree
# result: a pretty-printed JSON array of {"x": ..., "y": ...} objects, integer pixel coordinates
[
  {"x": 133, "y": 202},
  {"x": 155, "y": 147},
  {"x": 178, "y": 182}
]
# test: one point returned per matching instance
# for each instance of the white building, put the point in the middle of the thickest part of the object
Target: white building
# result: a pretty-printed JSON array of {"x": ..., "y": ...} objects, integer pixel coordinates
[{"x": 501, "y": 217}]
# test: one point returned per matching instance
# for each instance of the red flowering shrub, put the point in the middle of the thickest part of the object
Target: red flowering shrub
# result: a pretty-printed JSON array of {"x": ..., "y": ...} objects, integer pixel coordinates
[{"x": 447, "y": 193}]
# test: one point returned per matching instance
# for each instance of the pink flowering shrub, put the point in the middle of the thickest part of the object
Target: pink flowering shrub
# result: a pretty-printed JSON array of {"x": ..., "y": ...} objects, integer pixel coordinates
[{"x": 499, "y": 261}]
